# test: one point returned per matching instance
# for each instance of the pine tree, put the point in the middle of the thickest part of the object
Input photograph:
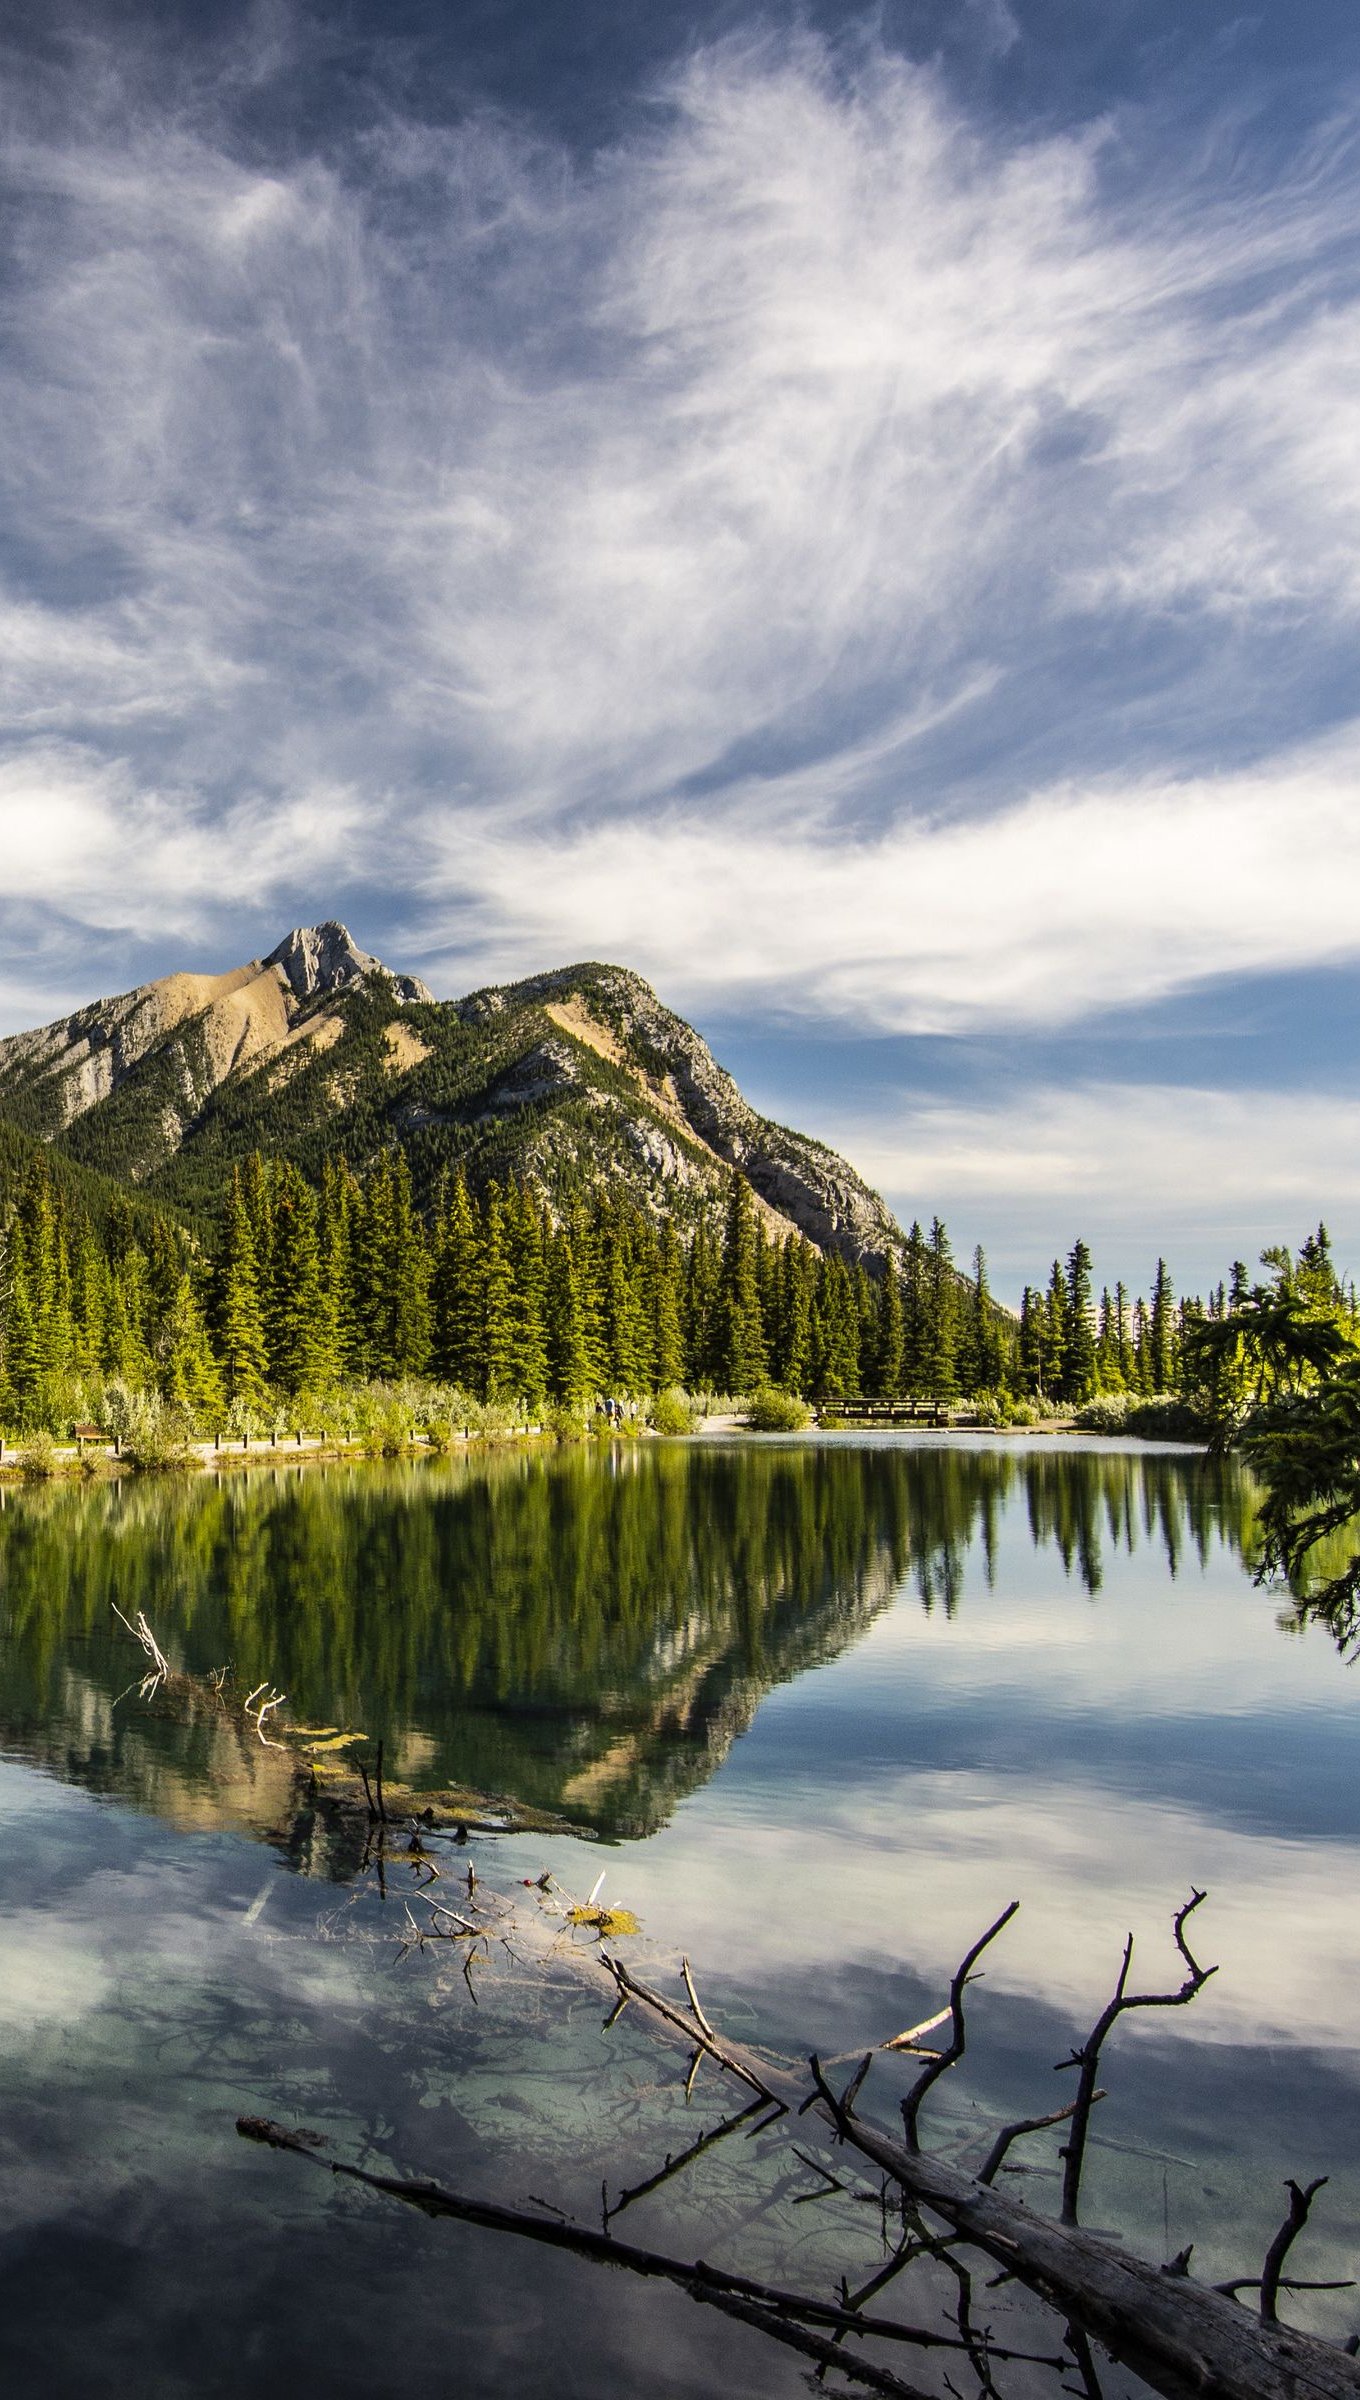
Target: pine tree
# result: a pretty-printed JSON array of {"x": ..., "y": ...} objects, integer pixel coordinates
[
  {"x": 1109, "y": 1367},
  {"x": 889, "y": 1335},
  {"x": 941, "y": 1374},
  {"x": 189, "y": 1373},
  {"x": 395, "y": 1265},
  {"x": 836, "y": 1363},
  {"x": 525, "y": 1250},
  {"x": 342, "y": 1339},
  {"x": 979, "y": 1359},
  {"x": 455, "y": 1290},
  {"x": 496, "y": 1361},
  {"x": 1079, "y": 1348},
  {"x": 663, "y": 1299},
  {"x": 1163, "y": 1358},
  {"x": 127, "y": 1327},
  {"x": 1033, "y": 1341},
  {"x": 701, "y": 1310},
  {"x": 239, "y": 1311},
  {"x": 1141, "y": 1380},
  {"x": 797, "y": 1279},
  {"x": 1055, "y": 1334},
  {"x": 916, "y": 1314},
  {"x": 742, "y": 1360},
  {"x": 569, "y": 1366},
  {"x": 299, "y": 1324}
]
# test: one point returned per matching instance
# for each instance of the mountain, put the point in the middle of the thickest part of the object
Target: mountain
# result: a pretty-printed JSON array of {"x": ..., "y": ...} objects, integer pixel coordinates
[{"x": 565, "y": 1080}]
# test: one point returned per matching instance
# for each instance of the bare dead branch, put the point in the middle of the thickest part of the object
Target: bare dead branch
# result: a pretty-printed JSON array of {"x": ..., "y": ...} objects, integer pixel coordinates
[
  {"x": 677, "y": 2165},
  {"x": 911, "y": 2039},
  {"x": 700, "y": 2019},
  {"x": 697, "y": 2030},
  {"x": 1300, "y": 2201},
  {"x": 991, "y": 2166},
  {"x": 777, "y": 2312},
  {"x": 1087, "y": 2059},
  {"x": 942, "y": 2060}
]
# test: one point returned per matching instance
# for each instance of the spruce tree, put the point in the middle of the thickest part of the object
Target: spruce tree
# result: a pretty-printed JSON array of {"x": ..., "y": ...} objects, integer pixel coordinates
[
  {"x": 570, "y": 1378},
  {"x": 941, "y": 1372},
  {"x": 743, "y": 1363},
  {"x": 889, "y": 1336},
  {"x": 189, "y": 1373},
  {"x": 1163, "y": 1349},
  {"x": 1079, "y": 1348},
  {"x": 239, "y": 1310}
]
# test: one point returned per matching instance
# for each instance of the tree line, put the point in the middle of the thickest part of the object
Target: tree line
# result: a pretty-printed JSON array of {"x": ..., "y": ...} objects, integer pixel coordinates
[{"x": 311, "y": 1287}]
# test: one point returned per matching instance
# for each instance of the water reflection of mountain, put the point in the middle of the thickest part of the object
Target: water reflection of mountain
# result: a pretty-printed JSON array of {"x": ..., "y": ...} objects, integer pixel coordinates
[{"x": 586, "y": 1631}]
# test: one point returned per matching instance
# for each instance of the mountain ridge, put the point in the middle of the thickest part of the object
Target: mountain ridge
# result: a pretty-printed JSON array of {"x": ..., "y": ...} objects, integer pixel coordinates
[{"x": 561, "y": 1080}]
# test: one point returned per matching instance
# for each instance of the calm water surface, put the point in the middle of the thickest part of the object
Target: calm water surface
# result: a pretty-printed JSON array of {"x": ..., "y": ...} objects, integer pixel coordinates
[{"x": 819, "y": 1709}]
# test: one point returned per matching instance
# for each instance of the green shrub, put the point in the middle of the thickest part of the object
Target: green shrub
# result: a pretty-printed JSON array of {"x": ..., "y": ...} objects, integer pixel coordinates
[
  {"x": 38, "y": 1456},
  {"x": 1107, "y": 1413},
  {"x": 1165, "y": 1417},
  {"x": 672, "y": 1412},
  {"x": 773, "y": 1411},
  {"x": 157, "y": 1435}
]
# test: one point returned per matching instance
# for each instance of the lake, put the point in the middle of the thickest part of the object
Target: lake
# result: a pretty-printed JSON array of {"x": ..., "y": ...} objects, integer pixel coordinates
[{"x": 818, "y": 1709}]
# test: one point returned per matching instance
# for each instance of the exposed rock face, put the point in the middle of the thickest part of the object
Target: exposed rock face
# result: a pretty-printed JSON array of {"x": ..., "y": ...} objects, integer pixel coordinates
[
  {"x": 326, "y": 958},
  {"x": 194, "y": 1030},
  {"x": 802, "y": 1183}
]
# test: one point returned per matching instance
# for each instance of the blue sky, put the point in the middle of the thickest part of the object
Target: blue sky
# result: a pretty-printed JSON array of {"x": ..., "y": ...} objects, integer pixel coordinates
[{"x": 854, "y": 515}]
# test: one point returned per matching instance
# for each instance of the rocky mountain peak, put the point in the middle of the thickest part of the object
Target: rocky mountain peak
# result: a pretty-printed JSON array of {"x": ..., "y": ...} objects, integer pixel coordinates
[{"x": 326, "y": 958}]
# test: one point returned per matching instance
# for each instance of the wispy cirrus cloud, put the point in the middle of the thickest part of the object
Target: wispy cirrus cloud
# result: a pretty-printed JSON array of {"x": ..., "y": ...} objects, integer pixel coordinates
[
  {"x": 457, "y": 463},
  {"x": 838, "y": 551}
]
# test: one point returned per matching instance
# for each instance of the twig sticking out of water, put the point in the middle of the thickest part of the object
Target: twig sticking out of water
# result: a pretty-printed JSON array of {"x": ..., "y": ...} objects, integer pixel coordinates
[
  {"x": 260, "y": 1704},
  {"x": 159, "y": 1671},
  {"x": 1087, "y": 2059},
  {"x": 942, "y": 2060}
]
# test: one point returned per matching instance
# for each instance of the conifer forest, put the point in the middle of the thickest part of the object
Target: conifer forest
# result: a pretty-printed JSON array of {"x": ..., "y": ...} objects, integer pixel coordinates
[{"x": 302, "y": 1296}]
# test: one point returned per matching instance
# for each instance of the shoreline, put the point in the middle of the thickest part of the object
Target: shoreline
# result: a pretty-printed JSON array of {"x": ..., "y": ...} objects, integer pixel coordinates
[{"x": 104, "y": 1462}]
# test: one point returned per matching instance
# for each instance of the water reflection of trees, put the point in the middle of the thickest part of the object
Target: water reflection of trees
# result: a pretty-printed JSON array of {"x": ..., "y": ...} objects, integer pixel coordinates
[{"x": 588, "y": 1631}]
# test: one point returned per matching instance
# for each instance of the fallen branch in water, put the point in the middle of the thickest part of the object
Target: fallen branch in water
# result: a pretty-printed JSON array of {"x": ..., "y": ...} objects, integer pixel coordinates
[
  {"x": 788, "y": 2316},
  {"x": 1189, "y": 2341}
]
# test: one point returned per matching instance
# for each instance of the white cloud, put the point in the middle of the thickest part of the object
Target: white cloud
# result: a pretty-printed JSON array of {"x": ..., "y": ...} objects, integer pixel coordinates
[
  {"x": 656, "y": 542},
  {"x": 79, "y": 835},
  {"x": 1204, "y": 1175},
  {"x": 1072, "y": 900}
]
